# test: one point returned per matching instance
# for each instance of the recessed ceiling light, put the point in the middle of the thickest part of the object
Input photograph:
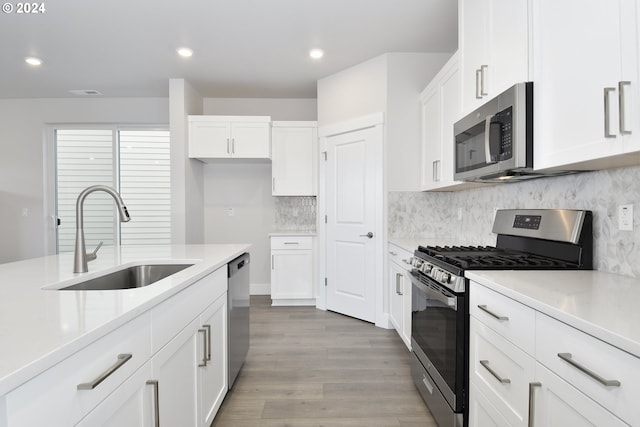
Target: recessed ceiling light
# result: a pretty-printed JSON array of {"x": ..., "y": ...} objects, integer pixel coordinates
[
  {"x": 31, "y": 60},
  {"x": 316, "y": 53},
  {"x": 184, "y": 51}
]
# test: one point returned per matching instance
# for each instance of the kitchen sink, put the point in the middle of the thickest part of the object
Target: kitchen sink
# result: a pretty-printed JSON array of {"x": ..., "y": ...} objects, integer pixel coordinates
[{"x": 136, "y": 276}]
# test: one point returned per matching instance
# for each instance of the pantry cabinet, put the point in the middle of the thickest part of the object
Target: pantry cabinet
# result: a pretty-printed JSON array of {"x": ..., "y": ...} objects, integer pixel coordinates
[
  {"x": 400, "y": 292},
  {"x": 292, "y": 277},
  {"x": 529, "y": 369},
  {"x": 294, "y": 162},
  {"x": 586, "y": 113},
  {"x": 223, "y": 137},
  {"x": 494, "y": 46}
]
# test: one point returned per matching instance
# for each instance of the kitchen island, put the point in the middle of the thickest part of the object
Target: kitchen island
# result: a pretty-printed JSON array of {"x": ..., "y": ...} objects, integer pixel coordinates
[{"x": 42, "y": 327}]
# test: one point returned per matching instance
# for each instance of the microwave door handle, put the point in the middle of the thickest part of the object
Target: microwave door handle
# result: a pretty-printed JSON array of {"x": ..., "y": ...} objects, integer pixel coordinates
[{"x": 487, "y": 139}]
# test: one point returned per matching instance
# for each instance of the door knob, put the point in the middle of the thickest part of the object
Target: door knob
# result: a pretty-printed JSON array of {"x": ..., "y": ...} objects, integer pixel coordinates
[{"x": 369, "y": 235}]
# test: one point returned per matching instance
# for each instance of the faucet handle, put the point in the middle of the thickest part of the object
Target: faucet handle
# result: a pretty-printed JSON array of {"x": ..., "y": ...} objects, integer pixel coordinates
[{"x": 93, "y": 255}]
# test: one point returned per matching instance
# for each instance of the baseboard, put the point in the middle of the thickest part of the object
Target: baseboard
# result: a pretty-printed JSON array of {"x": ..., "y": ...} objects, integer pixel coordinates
[
  {"x": 260, "y": 288},
  {"x": 293, "y": 302}
]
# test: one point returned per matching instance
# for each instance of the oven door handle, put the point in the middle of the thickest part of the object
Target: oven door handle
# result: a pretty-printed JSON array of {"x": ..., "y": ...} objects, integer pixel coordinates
[{"x": 444, "y": 299}]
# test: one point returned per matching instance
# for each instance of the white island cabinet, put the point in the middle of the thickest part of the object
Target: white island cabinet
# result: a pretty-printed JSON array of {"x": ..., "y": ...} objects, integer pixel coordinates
[
  {"x": 543, "y": 355},
  {"x": 158, "y": 355}
]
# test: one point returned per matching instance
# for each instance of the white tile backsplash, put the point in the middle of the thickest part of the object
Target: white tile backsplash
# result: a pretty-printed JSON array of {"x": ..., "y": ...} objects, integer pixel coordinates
[
  {"x": 430, "y": 215},
  {"x": 295, "y": 213}
]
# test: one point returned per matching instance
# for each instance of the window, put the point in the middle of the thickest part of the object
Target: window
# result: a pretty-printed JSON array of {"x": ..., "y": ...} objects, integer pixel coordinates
[{"x": 133, "y": 161}]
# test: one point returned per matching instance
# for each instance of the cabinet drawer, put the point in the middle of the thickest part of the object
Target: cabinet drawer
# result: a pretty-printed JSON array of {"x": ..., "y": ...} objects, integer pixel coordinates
[
  {"x": 400, "y": 256},
  {"x": 509, "y": 318},
  {"x": 169, "y": 317},
  {"x": 501, "y": 371},
  {"x": 291, "y": 242},
  {"x": 53, "y": 398},
  {"x": 555, "y": 340}
]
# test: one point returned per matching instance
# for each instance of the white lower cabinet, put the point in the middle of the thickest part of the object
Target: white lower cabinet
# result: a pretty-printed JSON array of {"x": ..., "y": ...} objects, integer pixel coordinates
[
  {"x": 558, "y": 404},
  {"x": 400, "y": 292},
  {"x": 166, "y": 367},
  {"x": 212, "y": 378},
  {"x": 549, "y": 375},
  {"x": 174, "y": 379},
  {"x": 128, "y": 406},
  {"x": 292, "y": 270}
]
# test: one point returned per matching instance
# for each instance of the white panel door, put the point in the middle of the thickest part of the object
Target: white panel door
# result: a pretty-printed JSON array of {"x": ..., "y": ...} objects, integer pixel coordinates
[{"x": 351, "y": 163}]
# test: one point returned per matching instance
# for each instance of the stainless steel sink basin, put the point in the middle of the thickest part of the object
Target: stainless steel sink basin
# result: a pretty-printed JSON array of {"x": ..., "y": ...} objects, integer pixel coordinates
[{"x": 136, "y": 276}]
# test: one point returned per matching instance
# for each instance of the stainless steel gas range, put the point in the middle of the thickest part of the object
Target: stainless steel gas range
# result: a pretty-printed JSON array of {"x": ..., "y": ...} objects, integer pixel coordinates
[{"x": 527, "y": 239}]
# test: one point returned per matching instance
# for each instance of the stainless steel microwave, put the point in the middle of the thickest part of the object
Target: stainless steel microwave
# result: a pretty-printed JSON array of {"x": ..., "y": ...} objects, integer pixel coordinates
[{"x": 494, "y": 143}]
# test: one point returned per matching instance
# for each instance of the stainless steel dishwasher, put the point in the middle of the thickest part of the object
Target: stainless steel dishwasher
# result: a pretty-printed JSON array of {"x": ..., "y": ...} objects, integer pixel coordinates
[{"x": 238, "y": 314}]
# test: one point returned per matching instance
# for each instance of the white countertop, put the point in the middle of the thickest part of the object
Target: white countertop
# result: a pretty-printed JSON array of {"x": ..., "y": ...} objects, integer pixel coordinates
[
  {"x": 292, "y": 233},
  {"x": 601, "y": 304},
  {"x": 40, "y": 327},
  {"x": 411, "y": 243}
]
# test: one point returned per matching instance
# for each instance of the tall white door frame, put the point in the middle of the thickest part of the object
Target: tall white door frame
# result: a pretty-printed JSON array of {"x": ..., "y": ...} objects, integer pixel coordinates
[{"x": 380, "y": 240}]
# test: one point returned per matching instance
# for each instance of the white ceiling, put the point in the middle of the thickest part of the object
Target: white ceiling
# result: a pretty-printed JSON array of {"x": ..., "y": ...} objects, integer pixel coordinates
[{"x": 243, "y": 48}]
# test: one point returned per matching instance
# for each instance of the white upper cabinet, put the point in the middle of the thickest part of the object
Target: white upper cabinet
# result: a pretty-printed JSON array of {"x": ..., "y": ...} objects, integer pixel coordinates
[
  {"x": 216, "y": 137},
  {"x": 585, "y": 83},
  {"x": 494, "y": 45},
  {"x": 294, "y": 164},
  {"x": 441, "y": 108}
]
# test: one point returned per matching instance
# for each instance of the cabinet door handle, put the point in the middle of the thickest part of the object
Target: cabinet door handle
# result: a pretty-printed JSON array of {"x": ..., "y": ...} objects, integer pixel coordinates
[
  {"x": 156, "y": 401},
  {"x": 491, "y": 313},
  {"x": 532, "y": 387},
  {"x": 272, "y": 262},
  {"x": 621, "y": 107},
  {"x": 208, "y": 328},
  {"x": 228, "y": 146},
  {"x": 204, "y": 348},
  {"x": 607, "y": 112},
  {"x": 478, "y": 77},
  {"x": 436, "y": 171},
  {"x": 398, "y": 285},
  {"x": 122, "y": 359},
  {"x": 567, "y": 357},
  {"x": 233, "y": 146},
  {"x": 273, "y": 185},
  {"x": 483, "y": 69},
  {"x": 485, "y": 363}
]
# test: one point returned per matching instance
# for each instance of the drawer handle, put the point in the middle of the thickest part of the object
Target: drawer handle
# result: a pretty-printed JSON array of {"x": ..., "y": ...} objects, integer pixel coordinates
[
  {"x": 204, "y": 348},
  {"x": 393, "y": 253},
  {"x": 485, "y": 363},
  {"x": 491, "y": 313},
  {"x": 291, "y": 243},
  {"x": 532, "y": 410},
  {"x": 406, "y": 261},
  {"x": 567, "y": 357},
  {"x": 122, "y": 359},
  {"x": 156, "y": 401}
]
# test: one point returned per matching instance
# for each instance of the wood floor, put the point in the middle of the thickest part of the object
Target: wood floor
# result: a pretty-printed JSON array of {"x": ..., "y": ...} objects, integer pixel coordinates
[{"x": 313, "y": 368}]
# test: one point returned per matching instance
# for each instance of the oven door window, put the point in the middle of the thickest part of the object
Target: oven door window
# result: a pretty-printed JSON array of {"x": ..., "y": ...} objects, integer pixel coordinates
[
  {"x": 435, "y": 324},
  {"x": 476, "y": 148}
]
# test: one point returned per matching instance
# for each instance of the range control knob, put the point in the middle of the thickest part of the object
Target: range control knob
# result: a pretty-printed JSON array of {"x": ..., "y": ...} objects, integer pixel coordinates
[{"x": 446, "y": 278}]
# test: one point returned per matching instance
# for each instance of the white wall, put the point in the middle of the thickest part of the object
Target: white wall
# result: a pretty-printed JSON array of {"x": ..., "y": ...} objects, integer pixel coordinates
[
  {"x": 187, "y": 182},
  {"x": 22, "y": 174},
  {"x": 246, "y": 186}
]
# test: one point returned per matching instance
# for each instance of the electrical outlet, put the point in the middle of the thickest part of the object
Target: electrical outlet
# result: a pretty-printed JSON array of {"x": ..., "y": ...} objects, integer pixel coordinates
[
  {"x": 230, "y": 212},
  {"x": 459, "y": 214},
  {"x": 625, "y": 217}
]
